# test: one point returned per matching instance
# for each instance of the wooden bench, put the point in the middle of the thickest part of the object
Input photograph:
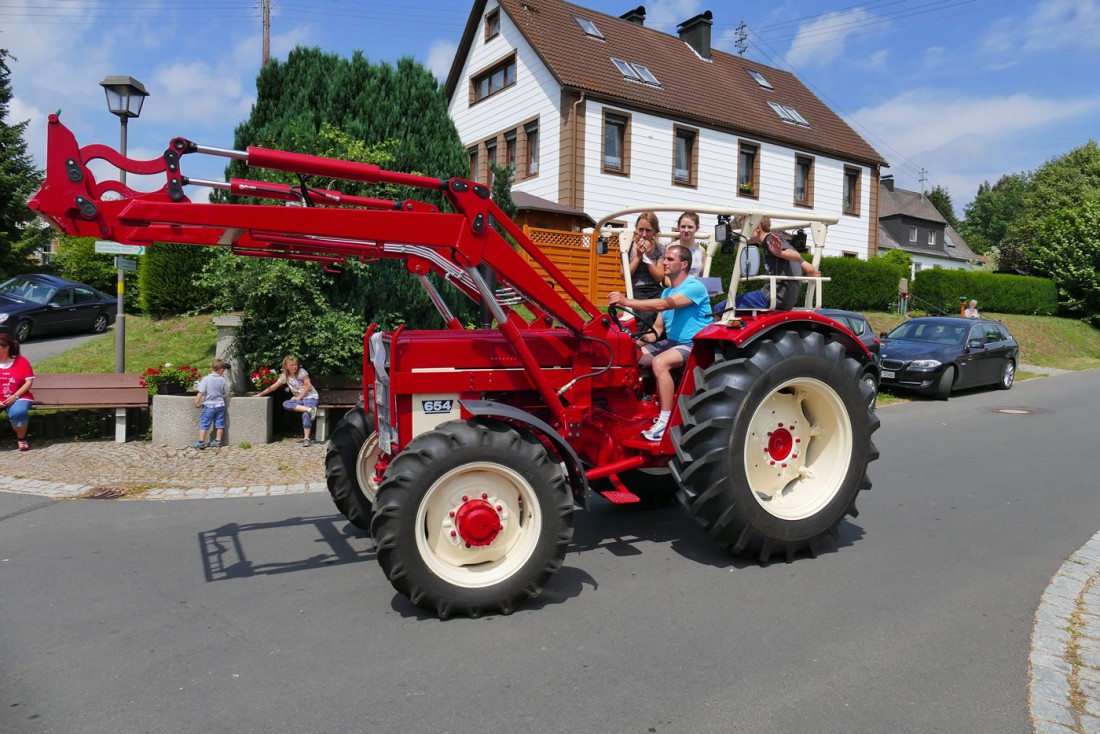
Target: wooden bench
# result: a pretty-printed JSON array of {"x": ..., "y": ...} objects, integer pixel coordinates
[
  {"x": 335, "y": 396},
  {"x": 107, "y": 390}
]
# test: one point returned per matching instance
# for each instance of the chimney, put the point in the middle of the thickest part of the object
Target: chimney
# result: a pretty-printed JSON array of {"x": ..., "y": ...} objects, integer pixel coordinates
[
  {"x": 637, "y": 15},
  {"x": 695, "y": 32},
  {"x": 888, "y": 182}
]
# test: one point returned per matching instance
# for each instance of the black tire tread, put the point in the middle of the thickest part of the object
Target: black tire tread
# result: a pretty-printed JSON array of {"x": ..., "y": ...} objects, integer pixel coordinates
[{"x": 340, "y": 459}]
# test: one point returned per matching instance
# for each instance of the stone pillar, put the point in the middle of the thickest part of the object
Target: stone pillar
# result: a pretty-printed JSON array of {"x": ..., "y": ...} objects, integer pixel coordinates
[{"x": 237, "y": 375}]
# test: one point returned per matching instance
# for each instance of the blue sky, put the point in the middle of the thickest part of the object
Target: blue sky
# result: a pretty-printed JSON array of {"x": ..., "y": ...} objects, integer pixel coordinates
[{"x": 963, "y": 90}]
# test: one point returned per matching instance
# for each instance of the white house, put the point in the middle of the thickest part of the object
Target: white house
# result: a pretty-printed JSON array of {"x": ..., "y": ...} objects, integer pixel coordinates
[{"x": 599, "y": 113}]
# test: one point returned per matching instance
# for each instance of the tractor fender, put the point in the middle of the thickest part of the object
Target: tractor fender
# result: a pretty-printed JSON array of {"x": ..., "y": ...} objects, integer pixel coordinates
[{"x": 573, "y": 466}]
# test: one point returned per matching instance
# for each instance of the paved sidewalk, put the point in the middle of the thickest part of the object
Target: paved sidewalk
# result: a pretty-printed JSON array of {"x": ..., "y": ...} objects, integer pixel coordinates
[{"x": 143, "y": 470}]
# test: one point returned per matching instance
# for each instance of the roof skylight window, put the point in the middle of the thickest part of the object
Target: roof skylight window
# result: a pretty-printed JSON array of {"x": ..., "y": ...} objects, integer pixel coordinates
[
  {"x": 626, "y": 69},
  {"x": 635, "y": 72},
  {"x": 588, "y": 27},
  {"x": 788, "y": 114},
  {"x": 759, "y": 78},
  {"x": 646, "y": 75}
]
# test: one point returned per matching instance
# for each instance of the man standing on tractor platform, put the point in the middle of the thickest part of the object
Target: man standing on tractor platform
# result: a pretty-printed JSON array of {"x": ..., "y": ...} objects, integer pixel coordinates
[{"x": 682, "y": 311}]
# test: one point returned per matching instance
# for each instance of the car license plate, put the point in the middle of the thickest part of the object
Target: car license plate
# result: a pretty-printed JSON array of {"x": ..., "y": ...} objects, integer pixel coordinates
[{"x": 888, "y": 375}]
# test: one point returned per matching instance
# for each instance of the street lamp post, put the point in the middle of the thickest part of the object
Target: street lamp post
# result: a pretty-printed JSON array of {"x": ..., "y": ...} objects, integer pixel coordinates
[{"x": 125, "y": 96}]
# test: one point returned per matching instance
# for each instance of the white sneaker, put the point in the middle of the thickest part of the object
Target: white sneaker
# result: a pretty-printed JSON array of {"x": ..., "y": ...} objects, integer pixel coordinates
[{"x": 656, "y": 432}]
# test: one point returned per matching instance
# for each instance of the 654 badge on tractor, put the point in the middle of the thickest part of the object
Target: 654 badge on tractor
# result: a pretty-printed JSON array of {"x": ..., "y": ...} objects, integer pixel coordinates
[{"x": 474, "y": 446}]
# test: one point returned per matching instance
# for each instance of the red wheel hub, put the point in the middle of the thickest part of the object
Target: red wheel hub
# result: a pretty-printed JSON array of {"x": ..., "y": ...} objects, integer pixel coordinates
[
  {"x": 780, "y": 443},
  {"x": 478, "y": 522}
]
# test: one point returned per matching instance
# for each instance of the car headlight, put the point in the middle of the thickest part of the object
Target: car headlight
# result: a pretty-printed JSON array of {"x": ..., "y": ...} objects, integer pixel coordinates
[
  {"x": 3, "y": 317},
  {"x": 924, "y": 364}
]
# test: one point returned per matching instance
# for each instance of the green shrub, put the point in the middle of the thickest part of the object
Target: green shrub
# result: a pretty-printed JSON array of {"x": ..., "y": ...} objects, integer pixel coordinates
[
  {"x": 167, "y": 278},
  {"x": 939, "y": 289}
]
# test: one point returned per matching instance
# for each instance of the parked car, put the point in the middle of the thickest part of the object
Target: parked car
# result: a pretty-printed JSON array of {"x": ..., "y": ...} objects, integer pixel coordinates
[
  {"x": 938, "y": 354},
  {"x": 857, "y": 324},
  {"x": 46, "y": 304}
]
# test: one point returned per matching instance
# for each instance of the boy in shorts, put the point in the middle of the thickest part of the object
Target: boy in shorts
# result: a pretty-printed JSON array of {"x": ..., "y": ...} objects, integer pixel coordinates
[{"x": 211, "y": 398}]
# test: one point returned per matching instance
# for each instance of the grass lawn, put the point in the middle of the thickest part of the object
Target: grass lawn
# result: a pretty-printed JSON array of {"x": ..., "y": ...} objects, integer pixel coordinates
[{"x": 150, "y": 342}]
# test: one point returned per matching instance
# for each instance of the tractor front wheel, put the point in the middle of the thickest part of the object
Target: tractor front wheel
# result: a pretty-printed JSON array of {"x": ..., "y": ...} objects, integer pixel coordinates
[
  {"x": 774, "y": 445},
  {"x": 473, "y": 516}
]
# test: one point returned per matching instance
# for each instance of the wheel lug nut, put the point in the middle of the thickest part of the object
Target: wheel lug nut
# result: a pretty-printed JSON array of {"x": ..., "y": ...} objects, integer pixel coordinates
[
  {"x": 484, "y": 495},
  {"x": 453, "y": 534}
]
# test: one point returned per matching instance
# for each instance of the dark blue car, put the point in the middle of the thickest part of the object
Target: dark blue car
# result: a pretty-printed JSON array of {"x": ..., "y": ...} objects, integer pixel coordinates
[
  {"x": 46, "y": 304},
  {"x": 938, "y": 354}
]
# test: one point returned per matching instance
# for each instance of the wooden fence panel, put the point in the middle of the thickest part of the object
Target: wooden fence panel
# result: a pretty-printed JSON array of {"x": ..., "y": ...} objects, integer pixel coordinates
[{"x": 595, "y": 276}]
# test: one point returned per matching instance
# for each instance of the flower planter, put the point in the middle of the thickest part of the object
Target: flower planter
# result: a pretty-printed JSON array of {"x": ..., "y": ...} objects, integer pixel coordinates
[
  {"x": 176, "y": 420},
  {"x": 170, "y": 388}
]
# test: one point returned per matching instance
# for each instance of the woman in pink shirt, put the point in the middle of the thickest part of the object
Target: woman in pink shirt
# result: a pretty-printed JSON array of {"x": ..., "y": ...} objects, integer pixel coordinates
[{"x": 16, "y": 376}]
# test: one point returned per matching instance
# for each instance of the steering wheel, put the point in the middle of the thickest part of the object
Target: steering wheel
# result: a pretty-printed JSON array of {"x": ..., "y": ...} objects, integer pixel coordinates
[{"x": 613, "y": 311}]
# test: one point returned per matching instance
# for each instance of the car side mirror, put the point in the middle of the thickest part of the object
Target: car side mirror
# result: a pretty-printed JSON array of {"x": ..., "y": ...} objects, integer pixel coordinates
[
  {"x": 976, "y": 344},
  {"x": 882, "y": 335}
]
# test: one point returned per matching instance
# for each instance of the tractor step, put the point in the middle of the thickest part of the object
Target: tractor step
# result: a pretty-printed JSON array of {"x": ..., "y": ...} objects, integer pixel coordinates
[{"x": 619, "y": 494}]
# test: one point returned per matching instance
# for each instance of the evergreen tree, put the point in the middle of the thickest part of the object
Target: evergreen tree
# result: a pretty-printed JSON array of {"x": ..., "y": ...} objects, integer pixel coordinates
[
  {"x": 20, "y": 231},
  {"x": 941, "y": 199}
]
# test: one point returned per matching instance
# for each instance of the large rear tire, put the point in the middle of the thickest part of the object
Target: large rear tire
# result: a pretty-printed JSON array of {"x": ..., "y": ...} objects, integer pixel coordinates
[
  {"x": 473, "y": 516},
  {"x": 774, "y": 445},
  {"x": 349, "y": 466}
]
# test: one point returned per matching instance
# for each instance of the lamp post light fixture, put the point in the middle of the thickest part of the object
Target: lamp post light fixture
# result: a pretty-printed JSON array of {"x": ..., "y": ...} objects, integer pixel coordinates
[{"x": 125, "y": 95}]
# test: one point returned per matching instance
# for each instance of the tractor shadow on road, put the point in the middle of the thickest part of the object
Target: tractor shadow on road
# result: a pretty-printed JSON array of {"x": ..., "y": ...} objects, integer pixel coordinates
[
  {"x": 620, "y": 530},
  {"x": 226, "y": 555}
]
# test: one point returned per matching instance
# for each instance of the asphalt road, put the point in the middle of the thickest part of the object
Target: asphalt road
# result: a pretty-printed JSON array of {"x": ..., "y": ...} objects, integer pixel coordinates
[
  {"x": 272, "y": 616},
  {"x": 38, "y": 348}
]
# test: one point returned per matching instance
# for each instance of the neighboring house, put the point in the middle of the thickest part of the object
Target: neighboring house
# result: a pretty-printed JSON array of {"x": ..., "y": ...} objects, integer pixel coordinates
[
  {"x": 599, "y": 113},
  {"x": 908, "y": 221}
]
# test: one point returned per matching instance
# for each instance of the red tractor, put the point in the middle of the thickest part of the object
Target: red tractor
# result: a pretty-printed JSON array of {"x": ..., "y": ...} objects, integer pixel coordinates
[{"x": 475, "y": 445}]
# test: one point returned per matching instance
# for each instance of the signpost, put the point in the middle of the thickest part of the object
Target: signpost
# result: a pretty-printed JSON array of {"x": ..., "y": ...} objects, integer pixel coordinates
[{"x": 122, "y": 264}]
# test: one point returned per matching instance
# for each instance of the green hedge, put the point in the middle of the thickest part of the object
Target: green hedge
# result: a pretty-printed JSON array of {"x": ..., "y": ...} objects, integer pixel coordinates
[
  {"x": 860, "y": 285},
  {"x": 944, "y": 290}
]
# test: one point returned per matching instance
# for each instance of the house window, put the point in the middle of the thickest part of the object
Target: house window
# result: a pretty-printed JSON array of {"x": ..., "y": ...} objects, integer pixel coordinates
[
  {"x": 531, "y": 134},
  {"x": 498, "y": 77},
  {"x": 803, "y": 181},
  {"x": 492, "y": 24},
  {"x": 490, "y": 160},
  {"x": 852, "y": 180},
  {"x": 931, "y": 238},
  {"x": 588, "y": 27},
  {"x": 635, "y": 72},
  {"x": 510, "y": 148},
  {"x": 685, "y": 160},
  {"x": 788, "y": 114},
  {"x": 913, "y": 235},
  {"x": 473, "y": 163},
  {"x": 748, "y": 170},
  {"x": 616, "y": 143},
  {"x": 759, "y": 78}
]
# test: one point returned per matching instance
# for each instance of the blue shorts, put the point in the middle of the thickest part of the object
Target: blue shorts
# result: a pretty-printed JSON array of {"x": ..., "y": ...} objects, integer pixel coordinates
[
  {"x": 212, "y": 415},
  {"x": 17, "y": 412}
]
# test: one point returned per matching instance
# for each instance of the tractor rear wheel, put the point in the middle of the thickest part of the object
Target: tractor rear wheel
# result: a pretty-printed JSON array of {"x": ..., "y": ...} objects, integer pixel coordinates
[
  {"x": 471, "y": 517},
  {"x": 774, "y": 445},
  {"x": 349, "y": 466}
]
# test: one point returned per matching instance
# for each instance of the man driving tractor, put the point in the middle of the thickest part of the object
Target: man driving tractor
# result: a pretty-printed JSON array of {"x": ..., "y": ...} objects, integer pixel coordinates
[{"x": 682, "y": 311}]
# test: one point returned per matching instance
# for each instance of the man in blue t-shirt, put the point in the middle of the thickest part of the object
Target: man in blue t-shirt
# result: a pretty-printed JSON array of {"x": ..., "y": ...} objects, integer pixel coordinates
[{"x": 682, "y": 312}]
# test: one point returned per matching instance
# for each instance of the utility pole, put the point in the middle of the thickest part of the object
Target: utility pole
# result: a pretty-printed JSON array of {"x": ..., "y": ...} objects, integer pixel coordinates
[
  {"x": 742, "y": 35},
  {"x": 267, "y": 31},
  {"x": 923, "y": 178}
]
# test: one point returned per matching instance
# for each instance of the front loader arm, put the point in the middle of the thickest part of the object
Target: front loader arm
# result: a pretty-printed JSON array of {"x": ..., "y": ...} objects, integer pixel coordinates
[{"x": 329, "y": 228}]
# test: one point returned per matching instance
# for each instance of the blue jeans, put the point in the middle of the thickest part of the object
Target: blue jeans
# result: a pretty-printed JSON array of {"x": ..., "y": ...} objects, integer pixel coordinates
[
  {"x": 212, "y": 415},
  {"x": 17, "y": 411},
  {"x": 292, "y": 405}
]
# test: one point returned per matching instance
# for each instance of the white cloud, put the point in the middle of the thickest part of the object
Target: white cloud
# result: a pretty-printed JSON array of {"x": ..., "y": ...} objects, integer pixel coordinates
[
  {"x": 665, "y": 15},
  {"x": 1053, "y": 25},
  {"x": 825, "y": 39},
  {"x": 440, "y": 56}
]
